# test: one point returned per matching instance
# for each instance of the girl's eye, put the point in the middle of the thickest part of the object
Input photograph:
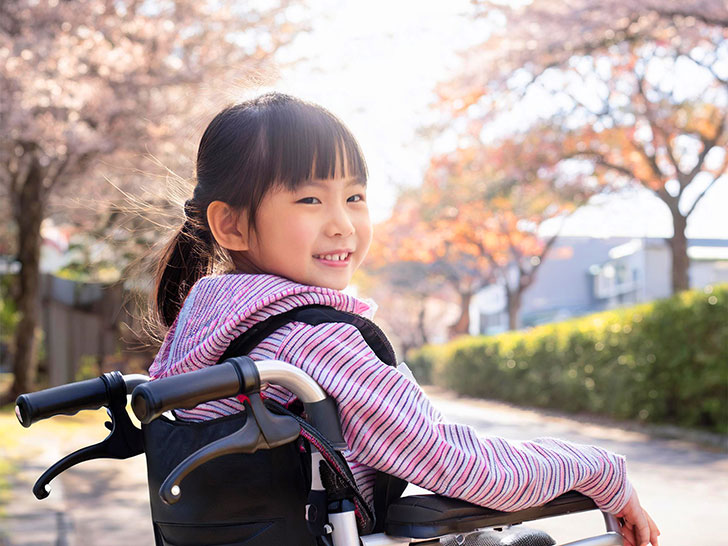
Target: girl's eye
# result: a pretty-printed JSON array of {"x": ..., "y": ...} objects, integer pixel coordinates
[
  {"x": 309, "y": 201},
  {"x": 356, "y": 198}
]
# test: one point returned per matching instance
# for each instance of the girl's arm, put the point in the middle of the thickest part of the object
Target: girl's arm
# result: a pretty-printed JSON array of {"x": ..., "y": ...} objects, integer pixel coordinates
[{"x": 389, "y": 424}]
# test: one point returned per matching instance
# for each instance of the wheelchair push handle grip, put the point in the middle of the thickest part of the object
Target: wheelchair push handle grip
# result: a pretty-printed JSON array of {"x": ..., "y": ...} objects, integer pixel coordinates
[
  {"x": 63, "y": 400},
  {"x": 235, "y": 376}
]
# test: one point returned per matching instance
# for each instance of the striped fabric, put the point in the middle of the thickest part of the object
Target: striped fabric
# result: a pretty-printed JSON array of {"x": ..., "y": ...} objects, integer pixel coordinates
[{"x": 388, "y": 422}]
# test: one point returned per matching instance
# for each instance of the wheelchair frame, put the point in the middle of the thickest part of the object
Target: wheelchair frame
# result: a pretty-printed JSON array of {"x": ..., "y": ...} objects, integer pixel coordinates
[{"x": 409, "y": 521}]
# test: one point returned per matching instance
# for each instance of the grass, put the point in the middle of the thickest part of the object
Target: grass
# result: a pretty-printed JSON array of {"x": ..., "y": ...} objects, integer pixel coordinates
[
  {"x": 7, "y": 470},
  {"x": 8, "y": 466}
]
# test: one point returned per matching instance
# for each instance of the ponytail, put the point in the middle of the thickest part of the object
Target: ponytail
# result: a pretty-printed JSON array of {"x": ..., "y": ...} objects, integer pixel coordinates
[{"x": 189, "y": 256}]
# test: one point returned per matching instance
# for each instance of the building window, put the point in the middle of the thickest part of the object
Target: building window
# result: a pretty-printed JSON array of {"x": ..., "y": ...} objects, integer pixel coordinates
[{"x": 614, "y": 280}]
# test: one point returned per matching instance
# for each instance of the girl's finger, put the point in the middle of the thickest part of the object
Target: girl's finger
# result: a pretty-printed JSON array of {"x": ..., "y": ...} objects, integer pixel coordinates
[
  {"x": 654, "y": 531},
  {"x": 628, "y": 540},
  {"x": 628, "y": 534},
  {"x": 642, "y": 530}
]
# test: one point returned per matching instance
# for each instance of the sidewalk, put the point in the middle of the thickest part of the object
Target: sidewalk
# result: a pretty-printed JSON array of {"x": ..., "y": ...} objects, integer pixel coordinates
[
  {"x": 26, "y": 521},
  {"x": 101, "y": 502}
]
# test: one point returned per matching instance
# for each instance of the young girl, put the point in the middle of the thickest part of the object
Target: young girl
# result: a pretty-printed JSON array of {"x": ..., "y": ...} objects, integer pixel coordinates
[{"x": 281, "y": 203}]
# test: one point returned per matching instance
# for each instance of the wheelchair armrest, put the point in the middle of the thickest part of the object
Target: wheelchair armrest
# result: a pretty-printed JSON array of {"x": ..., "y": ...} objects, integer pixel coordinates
[{"x": 429, "y": 516}]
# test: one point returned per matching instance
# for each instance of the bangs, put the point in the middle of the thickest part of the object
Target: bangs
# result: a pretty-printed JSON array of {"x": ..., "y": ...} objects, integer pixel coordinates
[
  {"x": 272, "y": 141},
  {"x": 306, "y": 142}
]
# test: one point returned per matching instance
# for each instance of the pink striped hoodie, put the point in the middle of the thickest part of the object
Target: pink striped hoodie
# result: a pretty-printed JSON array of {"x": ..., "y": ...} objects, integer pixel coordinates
[{"x": 388, "y": 422}]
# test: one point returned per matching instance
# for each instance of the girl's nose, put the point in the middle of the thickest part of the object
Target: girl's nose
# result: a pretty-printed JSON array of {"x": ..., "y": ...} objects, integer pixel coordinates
[{"x": 339, "y": 224}]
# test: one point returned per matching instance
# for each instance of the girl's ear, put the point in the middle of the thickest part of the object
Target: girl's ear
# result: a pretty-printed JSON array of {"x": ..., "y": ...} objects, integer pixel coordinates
[{"x": 229, "y": 227}]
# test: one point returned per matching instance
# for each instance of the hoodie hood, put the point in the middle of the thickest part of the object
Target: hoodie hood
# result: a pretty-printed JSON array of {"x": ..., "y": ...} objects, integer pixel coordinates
[{"x": 220, "y": 308}]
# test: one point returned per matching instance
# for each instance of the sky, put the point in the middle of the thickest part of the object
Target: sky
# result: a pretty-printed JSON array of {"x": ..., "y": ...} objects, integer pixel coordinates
[{"x": 376, "y": 63}]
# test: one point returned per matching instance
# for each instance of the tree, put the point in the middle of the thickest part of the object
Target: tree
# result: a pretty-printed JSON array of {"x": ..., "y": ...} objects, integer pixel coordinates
[
  {"x": 412, "y": 242},
  {"x": 678, "y": 148},
  {"x": 405, "y": 293},
  {"x": 497, "y": 198},
  {"x": 639, "y": 90},
  {"x": 475, "y": 220},
  {"x": 82, "y": 81}
]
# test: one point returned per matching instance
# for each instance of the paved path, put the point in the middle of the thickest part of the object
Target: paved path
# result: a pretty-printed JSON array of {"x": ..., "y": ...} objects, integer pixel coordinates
[{"x": 104, "y": 503}]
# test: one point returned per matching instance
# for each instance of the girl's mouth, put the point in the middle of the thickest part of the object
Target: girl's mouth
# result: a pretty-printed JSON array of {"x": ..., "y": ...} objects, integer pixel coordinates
[{"x": 337, "y": 259}]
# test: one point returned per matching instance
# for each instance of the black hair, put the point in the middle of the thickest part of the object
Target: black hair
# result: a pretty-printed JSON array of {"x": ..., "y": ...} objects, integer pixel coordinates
[{"x": 249, "y": 148}]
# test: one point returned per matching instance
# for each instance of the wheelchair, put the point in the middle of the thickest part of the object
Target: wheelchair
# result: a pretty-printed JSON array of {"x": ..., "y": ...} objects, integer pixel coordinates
[{"x": 270, "y": 475}]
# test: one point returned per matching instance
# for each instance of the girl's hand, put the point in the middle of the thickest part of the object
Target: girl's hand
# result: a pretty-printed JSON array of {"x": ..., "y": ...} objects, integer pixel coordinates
[{"x": 637, "y": 526}]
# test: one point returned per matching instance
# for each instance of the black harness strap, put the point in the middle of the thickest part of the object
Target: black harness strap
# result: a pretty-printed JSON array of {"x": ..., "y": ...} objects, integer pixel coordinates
[{"x": 313, "y": 315}]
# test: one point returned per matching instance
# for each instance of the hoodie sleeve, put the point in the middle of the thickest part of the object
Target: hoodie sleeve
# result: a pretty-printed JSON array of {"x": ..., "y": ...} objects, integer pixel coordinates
[{"x": 389, "y": 424}]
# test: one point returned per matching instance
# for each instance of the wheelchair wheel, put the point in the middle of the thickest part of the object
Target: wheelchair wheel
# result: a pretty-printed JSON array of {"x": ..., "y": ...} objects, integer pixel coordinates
[{"x": 510, "y": 536}]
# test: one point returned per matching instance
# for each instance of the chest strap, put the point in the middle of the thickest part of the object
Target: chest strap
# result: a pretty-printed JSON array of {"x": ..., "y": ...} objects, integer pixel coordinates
[{"x": 313, "y": 315}]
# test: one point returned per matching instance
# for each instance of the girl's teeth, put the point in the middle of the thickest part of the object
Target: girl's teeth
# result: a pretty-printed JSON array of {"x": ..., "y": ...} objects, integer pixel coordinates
[{"x": 333, "y": 257}]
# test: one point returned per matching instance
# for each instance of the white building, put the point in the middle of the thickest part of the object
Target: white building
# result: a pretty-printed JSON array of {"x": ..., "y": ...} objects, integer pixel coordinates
[{"x": 583, "y": 275}]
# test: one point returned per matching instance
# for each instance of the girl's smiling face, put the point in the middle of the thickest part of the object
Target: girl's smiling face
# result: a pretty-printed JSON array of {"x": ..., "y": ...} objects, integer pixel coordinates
[{"x": 317, "y": 234}]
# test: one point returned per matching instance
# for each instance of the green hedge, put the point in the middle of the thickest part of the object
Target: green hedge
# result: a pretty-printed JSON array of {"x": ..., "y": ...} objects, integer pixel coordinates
[{"x": 665, "y": 362}]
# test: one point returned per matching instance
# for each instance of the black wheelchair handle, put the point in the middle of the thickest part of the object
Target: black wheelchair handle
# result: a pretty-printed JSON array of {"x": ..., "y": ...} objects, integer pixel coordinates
[
  {"x": 74, "y": 397},
  {"x": 109, "y": 390},
  {"x": 63, "y": 400},
  {"x": 235, "y": 376}
]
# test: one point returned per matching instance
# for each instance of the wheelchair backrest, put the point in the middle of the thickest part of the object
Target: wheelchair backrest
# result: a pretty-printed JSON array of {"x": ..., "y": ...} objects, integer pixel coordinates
[
  {"x": 251, "y": 499},
  {"x": 260, "y": 497}
]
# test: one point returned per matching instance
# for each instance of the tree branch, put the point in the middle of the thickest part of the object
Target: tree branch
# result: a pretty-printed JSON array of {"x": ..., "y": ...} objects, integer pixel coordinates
[
  {"x": 531, "y": 275},
  {"x": 658, "y": 130},
  {"x": 496, "y": 268},
  {"x": 549, "y": 243},
  {"x": 60, "y": 168},
  {"x": 649, "y": 158},
  {"x": 708, "y": 144},
  {"x": 661, "y": 192},
  {"x": 702, "y": 194},
  {"x": 708, "y": 67},
  {"x": 721, "y": 173},
  {"x": 603, "y": 112},
  {"x": 695, "y": 14},
  {"x": 601, "y": 160}
]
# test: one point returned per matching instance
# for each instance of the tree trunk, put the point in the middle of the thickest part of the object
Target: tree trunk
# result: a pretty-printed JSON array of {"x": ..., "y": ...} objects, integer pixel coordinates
[
  {"x": 679, "y": 250},
  {"x": 421, "y": 322},
  {"x": 514, "y": 307},
  {"x": 462, "y": 325},
  {"x": 28, "y": 212}
]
